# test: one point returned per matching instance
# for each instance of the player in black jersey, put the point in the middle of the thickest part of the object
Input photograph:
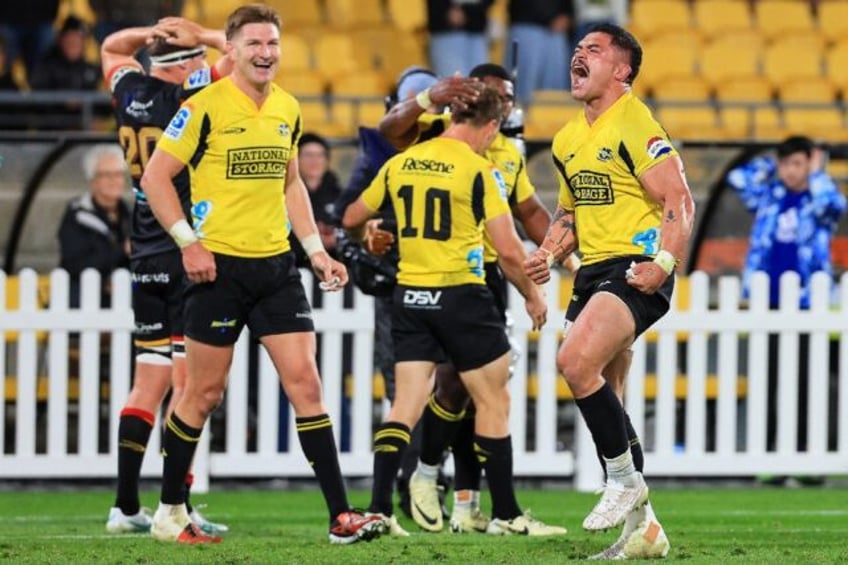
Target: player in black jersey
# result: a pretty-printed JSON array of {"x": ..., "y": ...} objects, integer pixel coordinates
[{"x": 144, "y": 104}]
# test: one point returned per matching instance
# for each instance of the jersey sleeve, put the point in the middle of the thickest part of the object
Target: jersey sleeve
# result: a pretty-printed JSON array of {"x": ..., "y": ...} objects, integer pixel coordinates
[
  {"x": 644, "y": 143},
  {"x": 524, "y": 189},
  {"x": 182, "y": 135},
  {"x": 374, "y": 196},
  {"x": 121, "y": 78},
  {"x": 565, "y": 198},
  {"x": 495, "y": 193}
]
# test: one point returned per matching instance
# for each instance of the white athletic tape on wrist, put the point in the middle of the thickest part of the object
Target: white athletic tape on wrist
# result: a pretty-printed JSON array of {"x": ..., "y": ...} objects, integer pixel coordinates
[
  {"x": 312, "y": 244},
  {"x": 423, "y": 99},
  {"x": 549, "y": 257},
  {"x": 182, "y": 234},
  {"x": 666, "y": 261}
]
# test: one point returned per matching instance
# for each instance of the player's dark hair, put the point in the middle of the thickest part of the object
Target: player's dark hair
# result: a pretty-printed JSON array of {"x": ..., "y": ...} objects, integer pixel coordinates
[
  {"x": 488, "y": 106},
  {"x": 251, "y": 14},
  {"x": 159, "y": 47},
  {"x": 625, "y": 41},
  {"x": 795, "y": 144},
  {"x": 489, "y": 70}
]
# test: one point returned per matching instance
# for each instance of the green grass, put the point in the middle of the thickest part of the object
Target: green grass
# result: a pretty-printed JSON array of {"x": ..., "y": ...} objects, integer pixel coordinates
[{"x": 762, "y": 525}]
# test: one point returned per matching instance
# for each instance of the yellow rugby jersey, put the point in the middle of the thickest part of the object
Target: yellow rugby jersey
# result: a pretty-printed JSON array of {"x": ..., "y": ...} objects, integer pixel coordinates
[
  {"x": 237, "y": 155},
  {"x": 503, "y": 154},
  {"x": 442, "y": 193},
  {"x": 599, "y": 167}
]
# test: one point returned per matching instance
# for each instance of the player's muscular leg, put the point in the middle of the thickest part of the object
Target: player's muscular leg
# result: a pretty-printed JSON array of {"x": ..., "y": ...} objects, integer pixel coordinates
[
  {"x": 150, "y": 386},
  {"x": 207, "y": 369},
  {"x": 450, "y": 392},
  {"x": 616, "y": 371},
  {"x": 293, "y": 355},
  {"x": 488, "y": 389},
  {"x": 412, "y": 390},
  {"x": 178, "y": 381},
  {"x": 603, "y": 329}
]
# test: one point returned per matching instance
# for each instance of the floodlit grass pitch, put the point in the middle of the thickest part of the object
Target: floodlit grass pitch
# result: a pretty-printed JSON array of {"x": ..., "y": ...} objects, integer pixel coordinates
[{"x": 763, "y": 525}]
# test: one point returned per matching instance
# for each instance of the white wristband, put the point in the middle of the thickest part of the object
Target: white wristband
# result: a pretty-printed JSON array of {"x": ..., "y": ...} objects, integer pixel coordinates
[
  {"x": 666, "y": 261},
  {"x": 423, "y": 99},
  {"x": 182, "y": 234},
  {"x": 312, "y": 244}
]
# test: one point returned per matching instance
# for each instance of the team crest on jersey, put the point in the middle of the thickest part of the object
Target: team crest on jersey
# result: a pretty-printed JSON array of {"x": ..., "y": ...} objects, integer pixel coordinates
[
  {"x": 509, "y": 167},
  {"x": 198, "y": 78},
  {"x": 604, "y": 154},
  {"x": 501, "y": 183},
  {"x": 658, "y": 146},
  {"x": 178, "y": 123},
  {"x": 284, "y": 129}
]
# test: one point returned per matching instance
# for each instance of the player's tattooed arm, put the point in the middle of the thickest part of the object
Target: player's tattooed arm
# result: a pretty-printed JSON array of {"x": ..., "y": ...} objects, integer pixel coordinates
[{"x": 561, "y": 239}]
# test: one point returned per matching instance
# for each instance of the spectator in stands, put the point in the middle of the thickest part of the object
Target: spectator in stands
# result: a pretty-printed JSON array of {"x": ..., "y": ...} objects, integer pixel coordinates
[
  {"x": 64, "y": 66},
  {"x": 7, "y": 81},
  {"x": 28, "y": 30},
  {"x": 796, "y": 208},
  {"x": 94, "y": 232},
  {"x": 589, "y": 13},
  {"x": 115, "y": 15},
  {"x": 457, "y": 35},
  {"x": 541, "y": 29},
  {"x": 313, "y": 157}
]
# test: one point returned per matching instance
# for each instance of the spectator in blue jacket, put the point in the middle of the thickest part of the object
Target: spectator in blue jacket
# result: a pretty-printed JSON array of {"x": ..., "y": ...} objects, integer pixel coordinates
[
  {"x": 796, "y": 210},
  {"x": 797, "y": 207}
]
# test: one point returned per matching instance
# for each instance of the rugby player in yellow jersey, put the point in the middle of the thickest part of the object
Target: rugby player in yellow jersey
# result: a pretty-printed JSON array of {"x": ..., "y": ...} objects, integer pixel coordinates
[
  {"x": 239, "y": 139},
  {"x": 444, "y": 193},
  {"x": 624, "y": 200},
  {"x": 448, "y": 419}
]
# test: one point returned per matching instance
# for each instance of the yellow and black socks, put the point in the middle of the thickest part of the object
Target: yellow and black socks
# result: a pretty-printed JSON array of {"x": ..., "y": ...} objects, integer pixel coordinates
[
  {"x": 179, "y": 442},
  {"x": 439, "y": 426},
  {"x": 134, "y": 430},
  {"x": 319, "y": 447},
  {"x": 390, "y": 441},
  {"x": 604, "y": 416},
  {"x": 495, "y": 455}
]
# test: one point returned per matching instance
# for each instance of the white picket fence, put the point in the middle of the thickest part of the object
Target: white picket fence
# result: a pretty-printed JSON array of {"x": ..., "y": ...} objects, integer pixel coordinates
[{"x": 61, "y": 435}]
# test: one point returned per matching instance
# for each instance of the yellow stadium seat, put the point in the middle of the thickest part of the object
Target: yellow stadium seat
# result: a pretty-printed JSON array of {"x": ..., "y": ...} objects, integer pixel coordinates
[
  {"x": 778, "y": 17},
  {"x": 406, "y": 51},
  {"x": 736, "y": 122},
  {"x": 837, "y": 66},
  {"x": 692, "y": 88},
  {"x": 552, "y": 97},
  {"x": 298, "y": 14},
  {"x": 666, "y": 58},
  {"x": 371, "y": 45},
  {"x": 768, "y": 124},
  {"x": 355, "y": 113},
  {"x": 818, "y": 122},
  {"x": 833, "y": 19},
  {"x": 360, "y": 83},
  {"x": 334, "y": 55},
  {"x": 213, "y": 13},
  {"x": 689, "y": 122},
  {"x": 544, "y": 120},
  {"x": 295, "y": 54},
  {"x": 751, "y": 89},
  {"x": 348, "y": 14},
  {"x": 785, "y": 62},
  {"x": 657, "y": 16},
  {"x": 719, "y": 17},
  {"x": 723, "y": 61},
  {"x": 408, "y": 15},
  {"x": 302, "y": 83},
  {"x": 808, "y": 90}
]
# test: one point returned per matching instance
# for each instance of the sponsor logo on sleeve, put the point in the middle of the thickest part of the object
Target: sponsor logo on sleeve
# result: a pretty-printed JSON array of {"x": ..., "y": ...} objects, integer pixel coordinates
[
  {"x": 658, "y": 146},
  {"x": 501, "y": 183},
  {"x": 178, "y": 123},
  {"x": 199, "y": 78}
]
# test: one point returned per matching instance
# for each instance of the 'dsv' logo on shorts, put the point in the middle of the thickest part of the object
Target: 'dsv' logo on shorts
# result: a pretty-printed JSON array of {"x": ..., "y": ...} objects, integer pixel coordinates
[{"x": 426, "y": 298}]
